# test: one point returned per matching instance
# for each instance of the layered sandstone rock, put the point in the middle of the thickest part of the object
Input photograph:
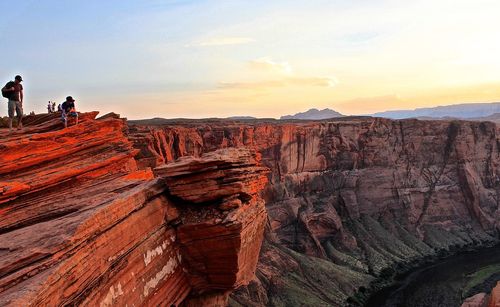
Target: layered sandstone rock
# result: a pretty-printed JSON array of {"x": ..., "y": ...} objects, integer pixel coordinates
[
  {"x": 352, "y": 199},
  {"x": 84, "y": 220},
  {"x": 495, "y": 296},
  {"x": 220, "y": 243},
  {"x": 80, "y": 224},
  {"x": 478, "y": 300}
]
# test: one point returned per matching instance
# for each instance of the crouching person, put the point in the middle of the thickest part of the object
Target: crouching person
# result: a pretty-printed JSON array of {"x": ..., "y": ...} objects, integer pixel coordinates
[{"x": 68, "y": 109}]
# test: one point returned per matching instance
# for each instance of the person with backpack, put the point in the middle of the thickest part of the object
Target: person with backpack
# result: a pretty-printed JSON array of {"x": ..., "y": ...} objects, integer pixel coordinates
[
  {"x": 13, "y": 91},
  {"x": 68, "y": 109}
]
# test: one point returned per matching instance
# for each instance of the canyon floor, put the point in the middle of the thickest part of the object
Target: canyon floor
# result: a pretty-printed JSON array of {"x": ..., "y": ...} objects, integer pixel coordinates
[{"x": 172, "y": 212}]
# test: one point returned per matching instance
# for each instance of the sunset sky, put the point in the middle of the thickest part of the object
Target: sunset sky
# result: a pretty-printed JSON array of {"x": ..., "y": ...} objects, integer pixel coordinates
[{"x": 261, "y": 58}]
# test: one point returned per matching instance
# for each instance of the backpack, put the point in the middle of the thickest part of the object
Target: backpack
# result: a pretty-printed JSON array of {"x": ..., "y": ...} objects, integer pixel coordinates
[{"x": 7, "y": 94}]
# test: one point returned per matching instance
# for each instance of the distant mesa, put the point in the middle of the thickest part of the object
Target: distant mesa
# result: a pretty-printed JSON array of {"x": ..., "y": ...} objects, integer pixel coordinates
[
  {"x": 241, "y": 117},
  {"x": 158, "y": 121},
  {"x": 462, "y": 111},
  {"x": 314, "y": 114}
]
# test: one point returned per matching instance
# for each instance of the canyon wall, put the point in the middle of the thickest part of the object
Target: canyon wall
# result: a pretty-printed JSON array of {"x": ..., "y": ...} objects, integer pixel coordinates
[
  {"x": 81, "y": 224},
  {"x": 351, "y": 201},
  {"x": 109, "y": 213}
]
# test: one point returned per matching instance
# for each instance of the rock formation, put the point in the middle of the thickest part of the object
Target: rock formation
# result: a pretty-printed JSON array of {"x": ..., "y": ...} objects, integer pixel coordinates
[
  {"x": 495, "y": 296},
  {"x": 478, "y": 300},
  {"x": 484, "y": 300},
  {"x": 105, "y": 212},
  {"x": 351, "y": 200},
  {"x": 81, "y": 224}
]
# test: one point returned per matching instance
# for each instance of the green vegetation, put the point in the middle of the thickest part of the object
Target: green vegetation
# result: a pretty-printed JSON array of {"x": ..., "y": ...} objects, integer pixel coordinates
[
  {"x": 478, "y": 277},
  {"x": 330, "y": 283}
]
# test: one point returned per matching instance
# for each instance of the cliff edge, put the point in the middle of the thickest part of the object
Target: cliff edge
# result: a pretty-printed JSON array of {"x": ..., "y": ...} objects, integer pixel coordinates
[{"x": 82, "y": 224}]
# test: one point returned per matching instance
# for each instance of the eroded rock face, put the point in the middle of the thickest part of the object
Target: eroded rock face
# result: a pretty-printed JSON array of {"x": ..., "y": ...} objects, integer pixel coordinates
[
  {"x": 352, "y": 199},
  {"x": 478, "y": 300},
  {"x": 495, "y": 296},
  {"x": 220, "y": 244},
  {"x": 84, "y": 219},
  {"x": 81, "y": 224}
]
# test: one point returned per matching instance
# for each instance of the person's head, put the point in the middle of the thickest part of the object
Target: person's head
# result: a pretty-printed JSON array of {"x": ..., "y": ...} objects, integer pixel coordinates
[
  {"x": 18, "y": 79},
  {"x": 70, "y": 99}
]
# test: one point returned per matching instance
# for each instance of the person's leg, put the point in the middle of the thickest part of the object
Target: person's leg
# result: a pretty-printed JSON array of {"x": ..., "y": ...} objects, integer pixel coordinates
[
  {"x": 76, "y": 119},
  {"x": 64, "y": 119},
  {"x": 12, "y": 107},
  {"x": 19, "y": 111}
]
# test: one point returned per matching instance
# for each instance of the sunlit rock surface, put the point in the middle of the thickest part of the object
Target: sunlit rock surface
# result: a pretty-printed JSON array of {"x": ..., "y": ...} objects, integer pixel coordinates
[
  {"x": 82, "y": 224},
  {"x": 495, "y": 296},
  {"x": 478, "y": 300}
]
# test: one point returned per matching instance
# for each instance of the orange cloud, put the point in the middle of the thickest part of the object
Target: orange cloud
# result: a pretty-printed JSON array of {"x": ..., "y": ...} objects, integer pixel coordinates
[
  {"x": 287, "y": 81},
  {"x": 267, "y": 64}
]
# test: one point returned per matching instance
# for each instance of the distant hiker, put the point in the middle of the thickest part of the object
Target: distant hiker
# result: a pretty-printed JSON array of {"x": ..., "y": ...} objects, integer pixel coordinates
[
  {"x": 53, "y": 106},
  {"x": 13, "y": 90},
  {"x": 59, "y": 108},
  {"x": 68, "y": 109},
  {"x": 49, "y": 107}
]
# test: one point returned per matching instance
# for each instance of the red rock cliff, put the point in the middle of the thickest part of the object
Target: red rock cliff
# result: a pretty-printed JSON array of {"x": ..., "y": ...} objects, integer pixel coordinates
[
  {"x": 495, "y": 296},
  {"x": 81, "y": 224},
  {"x": 352, "y": 198}
]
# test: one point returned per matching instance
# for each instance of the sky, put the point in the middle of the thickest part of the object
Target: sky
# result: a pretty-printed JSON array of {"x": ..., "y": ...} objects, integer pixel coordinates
[{"x": 196, "y": 59}]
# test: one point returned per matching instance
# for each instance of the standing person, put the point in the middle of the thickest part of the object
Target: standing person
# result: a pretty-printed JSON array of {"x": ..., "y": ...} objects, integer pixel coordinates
[
  {"x": 16, "y": 97},
  {"x": 49, "y": 107},
  {"x": 53, "y": 107},
  {"x": 68, "y": 109}
]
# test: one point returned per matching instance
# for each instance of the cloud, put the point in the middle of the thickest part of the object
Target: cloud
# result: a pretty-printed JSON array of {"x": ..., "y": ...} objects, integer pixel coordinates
[
  {"x": 268, "y": 64},
  {"x": 277, "y": 74},
  {"x": 222, "y": 41},
  {"x": 287, "y": 81},
  {"x": 252, "y": 85},
  {"x": 314, "y": 81}
]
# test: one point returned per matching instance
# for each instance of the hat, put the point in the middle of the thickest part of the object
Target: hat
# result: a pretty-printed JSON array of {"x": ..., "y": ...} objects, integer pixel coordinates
[
  {"x": 69, "y": 98},
  {"x": 18, "y": 77}
]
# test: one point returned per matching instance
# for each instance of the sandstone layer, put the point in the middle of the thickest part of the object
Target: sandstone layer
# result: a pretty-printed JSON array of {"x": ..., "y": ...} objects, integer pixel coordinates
[
  {"x": 495, "y": 296},
  {"x": 351, "y": 200},
  {"x": 81, "y": 224},
  {"x": 478, "y": 300}
]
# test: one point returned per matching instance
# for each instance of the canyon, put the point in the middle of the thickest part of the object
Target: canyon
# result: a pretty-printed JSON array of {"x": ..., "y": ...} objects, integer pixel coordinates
[
  {"x": 351, "y": 201},
  {"x": 238, "y": 212}
]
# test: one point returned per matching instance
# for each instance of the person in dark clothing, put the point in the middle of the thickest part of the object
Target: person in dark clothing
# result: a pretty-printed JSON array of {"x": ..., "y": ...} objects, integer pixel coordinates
[
  {"x": 15, "y": 101},
  {"x": 68, "y": 109}
]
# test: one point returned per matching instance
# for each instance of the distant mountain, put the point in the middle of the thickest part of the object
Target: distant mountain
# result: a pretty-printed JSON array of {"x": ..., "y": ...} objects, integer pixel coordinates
[
  {"x": 491, "y": 118},
  {"x": 314, "y": 114},
  {"x": 465, "y": 110}
]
